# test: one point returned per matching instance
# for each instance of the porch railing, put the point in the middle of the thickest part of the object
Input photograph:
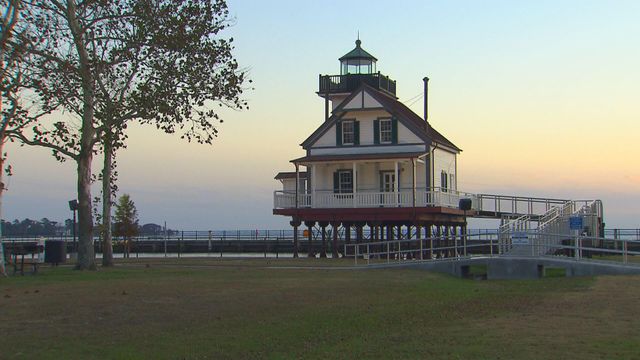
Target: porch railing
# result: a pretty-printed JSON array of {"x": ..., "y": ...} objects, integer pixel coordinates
[{"x": 404, "y": 198}]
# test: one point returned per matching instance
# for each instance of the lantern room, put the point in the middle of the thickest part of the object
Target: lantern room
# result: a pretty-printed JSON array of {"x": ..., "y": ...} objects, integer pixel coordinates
[{"x": 357, "y": 61}]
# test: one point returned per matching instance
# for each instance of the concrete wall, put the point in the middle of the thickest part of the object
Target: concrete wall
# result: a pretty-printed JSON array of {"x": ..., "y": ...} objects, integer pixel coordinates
[{"x": 522, "y": 267}]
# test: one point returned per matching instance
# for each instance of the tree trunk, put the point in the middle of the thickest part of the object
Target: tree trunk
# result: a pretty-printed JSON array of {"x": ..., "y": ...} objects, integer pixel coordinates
[
  {"x": 107, "y": 247},
  {"x": 86, "y": 255}
]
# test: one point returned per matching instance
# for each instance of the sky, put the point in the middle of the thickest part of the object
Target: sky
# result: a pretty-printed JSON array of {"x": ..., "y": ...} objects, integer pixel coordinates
[{"x": 542, "y": 96}]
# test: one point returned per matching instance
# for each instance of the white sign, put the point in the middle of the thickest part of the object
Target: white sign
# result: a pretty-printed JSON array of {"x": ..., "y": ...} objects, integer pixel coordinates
[{"x": 519, "y": 238}]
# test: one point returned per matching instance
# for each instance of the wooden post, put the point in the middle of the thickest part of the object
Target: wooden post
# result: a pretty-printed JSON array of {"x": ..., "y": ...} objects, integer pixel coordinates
[
  {"x": 295, "y": 223},
  {"x": 439, "y": 240},
  {"x": 334, "y": 244},
  {"x": 347, "y": 237},
  {"x": 309, "y": 225},
  {"x": 463, "y": 230},
  {"x": 323, "y": 229}
]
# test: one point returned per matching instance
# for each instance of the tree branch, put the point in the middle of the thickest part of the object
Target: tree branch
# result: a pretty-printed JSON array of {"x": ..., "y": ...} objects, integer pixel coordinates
[{"x": 20, "y": 136}]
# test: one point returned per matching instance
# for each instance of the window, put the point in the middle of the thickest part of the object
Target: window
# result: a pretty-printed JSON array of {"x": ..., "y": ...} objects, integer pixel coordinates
[
  {"x": 348, "y": 134},
  {"x": 444, "y": 181},
  {"x": 386, "y": 132},
  {"x": 452, "y": 181},
  {"x": 345, "y": 182}
]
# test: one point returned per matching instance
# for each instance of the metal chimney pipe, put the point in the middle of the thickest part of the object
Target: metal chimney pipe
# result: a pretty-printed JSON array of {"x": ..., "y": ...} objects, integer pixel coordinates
[{"x": 426, "y": 98}]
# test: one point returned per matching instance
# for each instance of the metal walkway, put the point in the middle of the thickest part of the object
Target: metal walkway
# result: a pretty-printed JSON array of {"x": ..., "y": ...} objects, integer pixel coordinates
[{"x": 578, "y": 255}]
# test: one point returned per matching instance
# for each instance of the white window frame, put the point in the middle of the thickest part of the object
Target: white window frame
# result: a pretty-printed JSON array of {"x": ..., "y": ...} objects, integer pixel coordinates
[
  {"x": 352, "y": 132},
  {"x": 382, "y": 131},
  {"x": 342, "y": 188},
  {"x": 444, "y": 179}
]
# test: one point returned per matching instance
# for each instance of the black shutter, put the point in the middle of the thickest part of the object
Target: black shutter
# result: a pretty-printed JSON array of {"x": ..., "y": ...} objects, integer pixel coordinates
[
  {"x": 336, "y": 182},
  {"x": 394, "y": 130},
  {"x": 356, "y": 133},
  {"x": 338, "y": 133},
  {"x": 376, "y": 131}
]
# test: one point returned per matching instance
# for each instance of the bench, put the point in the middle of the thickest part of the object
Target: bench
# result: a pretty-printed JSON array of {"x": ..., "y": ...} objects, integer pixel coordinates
[{"x": 21, "y": 249}]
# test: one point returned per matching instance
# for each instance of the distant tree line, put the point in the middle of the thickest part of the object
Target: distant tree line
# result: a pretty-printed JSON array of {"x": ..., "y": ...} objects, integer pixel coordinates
[{"x": 45, "y": 227}]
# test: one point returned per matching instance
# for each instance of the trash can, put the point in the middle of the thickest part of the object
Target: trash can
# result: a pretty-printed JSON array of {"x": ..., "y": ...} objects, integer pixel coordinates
[{"x": 55, "y": 252}]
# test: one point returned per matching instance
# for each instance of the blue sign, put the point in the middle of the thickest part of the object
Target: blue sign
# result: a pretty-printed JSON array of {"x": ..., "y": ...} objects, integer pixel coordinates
[
  {"x": 519, "y": 238},
  {"x": 575, "y": 223}
]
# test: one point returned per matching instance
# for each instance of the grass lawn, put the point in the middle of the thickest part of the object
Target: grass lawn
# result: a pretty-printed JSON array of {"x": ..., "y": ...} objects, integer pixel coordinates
[{"x": 233, "y": 309}]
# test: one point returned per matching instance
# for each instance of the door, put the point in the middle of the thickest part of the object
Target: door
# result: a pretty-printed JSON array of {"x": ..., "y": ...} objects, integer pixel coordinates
[{"x": 387, "y": 185}]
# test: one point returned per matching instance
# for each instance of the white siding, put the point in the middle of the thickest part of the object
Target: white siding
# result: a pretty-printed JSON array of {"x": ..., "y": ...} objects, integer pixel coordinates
[
  {"x": 289, "y": 185},
  {"x": 337, "y": 100},
  {"x": 406, "y": 136},
  {"x": 366, "y": 118},
  {"x": 382, "y": 149},
  {"x": 328, "y": 139},
  {"x": 355, "y": 103},
  {"x": 368, "y": 174},
  {"x": 444, "y": 161},
  {"x": 370, "y": 102}
]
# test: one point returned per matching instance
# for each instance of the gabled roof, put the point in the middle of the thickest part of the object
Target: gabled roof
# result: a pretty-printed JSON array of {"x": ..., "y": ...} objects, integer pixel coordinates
[{"x": 394, "y": 107}]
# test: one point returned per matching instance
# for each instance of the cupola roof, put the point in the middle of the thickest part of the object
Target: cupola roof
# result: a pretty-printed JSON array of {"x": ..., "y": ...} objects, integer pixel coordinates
[{"x": 358, "y": 54}]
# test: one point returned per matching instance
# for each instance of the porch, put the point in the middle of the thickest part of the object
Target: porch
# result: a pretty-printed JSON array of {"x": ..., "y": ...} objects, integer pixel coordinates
[{"x": 435, "y": 197}]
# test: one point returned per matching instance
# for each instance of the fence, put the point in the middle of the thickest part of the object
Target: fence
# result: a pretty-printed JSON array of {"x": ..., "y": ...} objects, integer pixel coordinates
[{"x": 277, "y": 243}]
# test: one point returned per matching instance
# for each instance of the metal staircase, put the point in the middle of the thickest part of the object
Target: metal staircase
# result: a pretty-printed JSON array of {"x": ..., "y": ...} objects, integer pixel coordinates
[{"x": 552, "y": 228}]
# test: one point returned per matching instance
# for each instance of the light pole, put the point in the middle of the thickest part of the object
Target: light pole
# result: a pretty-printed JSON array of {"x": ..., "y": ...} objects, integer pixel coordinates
[{"x": 73, "y": 206}]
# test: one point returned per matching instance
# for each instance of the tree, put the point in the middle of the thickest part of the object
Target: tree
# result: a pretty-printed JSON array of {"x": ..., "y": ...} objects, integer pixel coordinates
[
  {"x": 126, "y": 220},
  {"x": 12, "y": 43},
  {"x": 63, "y": 69},
  {"x": 110, "y": 62},
  {"x": 173, "y": 75}
]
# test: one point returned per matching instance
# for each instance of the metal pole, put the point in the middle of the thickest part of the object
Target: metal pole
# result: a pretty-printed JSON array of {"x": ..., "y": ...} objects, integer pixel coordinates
[
  {"x": 491, "y": 245},
  {"x": 388, "y": 255},
  {"x": 75, "y": 247},
  {"x": 356, "y": 253},
  {"x": 368, "y": 254},
  {"x": 431, "y": 247}
]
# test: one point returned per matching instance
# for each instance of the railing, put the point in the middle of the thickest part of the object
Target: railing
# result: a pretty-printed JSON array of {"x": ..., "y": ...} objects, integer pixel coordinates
[
  {"x": 498, "y": 205},
  {"x": 579, "y": 248},
  {"x": 349, "y": 82},
  {"x": 368, "y": 199},
  {"x": 554, "y": 221},
  {"x": 486, "y": 205}
]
